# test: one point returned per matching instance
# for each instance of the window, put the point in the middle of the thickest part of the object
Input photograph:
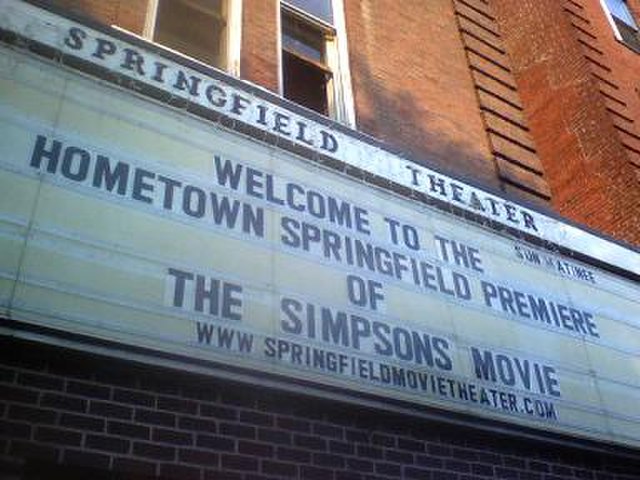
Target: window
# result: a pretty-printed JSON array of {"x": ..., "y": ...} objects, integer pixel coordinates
[
  {"x": 623, "y": 23},
  {"x": 205, "y": 30},
  {"x": 314, "y": 57}
]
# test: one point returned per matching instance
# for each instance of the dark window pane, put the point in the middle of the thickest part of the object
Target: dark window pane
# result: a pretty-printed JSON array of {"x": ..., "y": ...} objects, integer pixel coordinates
[
  {"x": 193, "y": 27},
  {"x": 305, "y": 83},
  {"x": 317, "y": 8},
  {"x": 630, "y": 35},
  {"x": 302, "y": 39}
]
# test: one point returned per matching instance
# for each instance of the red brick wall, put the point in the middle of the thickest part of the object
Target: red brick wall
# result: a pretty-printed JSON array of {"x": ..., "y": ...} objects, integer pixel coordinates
[
  {"x": 506, "y": 125},
  {"x": 62, "y": 411},
  {"x": 535, "y": 98},
  {"x": 577, "y": 84},
  {"x": 617, "y": 66},
  {"x": 450, "y": 102},
  {"x": 259, "y": 51},
  {"x": 413, "y": 91},
  {"x": 128, "y": 14}
]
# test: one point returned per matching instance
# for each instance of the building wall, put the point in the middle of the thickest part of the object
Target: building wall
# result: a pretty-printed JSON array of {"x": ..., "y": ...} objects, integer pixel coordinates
[
  {"x": 518, "y": 166},
  {"x": 537, "y": 99},
  {"x": 259, "y": 51},
  {"x": 76, "y": 414},
  {"x": 451, "y": 103},
  {"x": 417, "y": 96},
  {"x": 128, "y": 14},
  {"x": 579, "y": 87}
]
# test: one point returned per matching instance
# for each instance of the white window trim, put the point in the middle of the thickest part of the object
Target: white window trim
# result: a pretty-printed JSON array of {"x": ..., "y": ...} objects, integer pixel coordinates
[
  {"x": 234, "y": 40},
  {"x": 279, "y": 47},
  {"x": 234, "y": 34},
  {"x": 609, "y": 15},
  {"x": 346, "y": 108},
  {"x": 341, "y": 101}
]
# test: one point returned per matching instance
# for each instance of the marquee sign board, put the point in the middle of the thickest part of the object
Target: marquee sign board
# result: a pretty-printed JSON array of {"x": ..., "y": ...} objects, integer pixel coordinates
[{"x": 125, "y": 220}]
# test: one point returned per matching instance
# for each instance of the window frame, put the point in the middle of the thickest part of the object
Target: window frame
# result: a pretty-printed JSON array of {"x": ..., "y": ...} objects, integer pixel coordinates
[
  {"x": 616, "y": 29},
  {"x": 233, "y": 40},
  {"x": 340, "y": 99}
]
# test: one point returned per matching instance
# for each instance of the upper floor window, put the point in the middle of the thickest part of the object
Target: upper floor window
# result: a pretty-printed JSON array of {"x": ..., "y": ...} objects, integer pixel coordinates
[
  {"x": 205, "y": 30},
  {"x": 623, "y": 22},
  {"x": 315, "y": 71},
  {"x": 321, "y": 9}
]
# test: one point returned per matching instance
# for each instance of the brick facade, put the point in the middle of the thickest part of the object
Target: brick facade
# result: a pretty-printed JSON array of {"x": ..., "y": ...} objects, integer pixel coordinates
[
  {"x": 76, "y": 414},
  {"x": 579, "y": 86},
  {"x": 128, "y": 14},
  {"x": 436, "y": 120},
  {"x": 260, "y": 55},
  {"x": 517, "y": 164},
  {"x": 451, "y": 103},
  {"x": 465, "y": 120}
]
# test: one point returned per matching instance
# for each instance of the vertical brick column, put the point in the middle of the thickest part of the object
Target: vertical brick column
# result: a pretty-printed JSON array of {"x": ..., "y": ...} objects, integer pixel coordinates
[
  {"x": 259, "y": 51},
  {"x": 413, "y": 87},
  {"x": 514, "y": 151},
  {"x": 128, "y": 14},
  {"x": 566, "y": 87}
]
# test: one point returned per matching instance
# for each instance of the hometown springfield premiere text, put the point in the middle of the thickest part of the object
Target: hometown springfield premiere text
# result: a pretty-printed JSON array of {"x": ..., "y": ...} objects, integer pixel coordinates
[{"x": 343, "y": 237}]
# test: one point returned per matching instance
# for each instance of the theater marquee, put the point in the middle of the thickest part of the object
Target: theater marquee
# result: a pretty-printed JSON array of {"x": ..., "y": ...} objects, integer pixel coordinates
[{"x": 128, "y": 221}]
